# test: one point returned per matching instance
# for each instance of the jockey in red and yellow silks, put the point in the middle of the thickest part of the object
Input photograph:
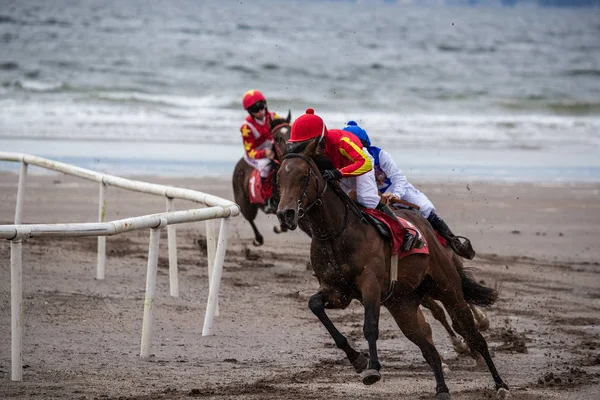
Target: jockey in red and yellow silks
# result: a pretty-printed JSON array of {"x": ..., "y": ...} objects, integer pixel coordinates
[
  {"x": 344, "y": 150},
  {"x": 353, "y": 164},
  {"x": 257, "y": 139}
]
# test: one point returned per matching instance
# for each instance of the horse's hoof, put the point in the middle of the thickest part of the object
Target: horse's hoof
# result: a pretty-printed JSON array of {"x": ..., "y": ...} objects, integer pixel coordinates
[
  {"x": 442, "y": 396},
  {"x": 480, "y": 364},
  {"x": 257, "y": 242},
  {"x": 445, "y": 369},
  {"x": 459, "y": 345},
  {"x": 502, "y": 394},
  {"x": 483, "y": 324},
  {"x": 370, "y": 376},
  {"x": 360, "y": 364}
]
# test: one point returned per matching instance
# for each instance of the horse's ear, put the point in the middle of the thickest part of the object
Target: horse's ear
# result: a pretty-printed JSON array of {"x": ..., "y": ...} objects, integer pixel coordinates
[
  {"x": 320, "y": 146},
  {"x": 311, "y": 149},
  {"x": 288, "y": 119}
]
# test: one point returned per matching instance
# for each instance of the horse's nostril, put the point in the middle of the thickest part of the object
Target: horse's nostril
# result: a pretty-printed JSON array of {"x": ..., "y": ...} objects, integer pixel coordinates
[{"x": 289, "y": 216}]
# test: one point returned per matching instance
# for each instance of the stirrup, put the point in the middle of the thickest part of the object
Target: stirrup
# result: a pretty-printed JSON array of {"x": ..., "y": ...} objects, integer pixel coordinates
[
  {"x": 269, "y": 207},
  {"x": 463, "y": 249},
  {"x": 408, "y": 242}
]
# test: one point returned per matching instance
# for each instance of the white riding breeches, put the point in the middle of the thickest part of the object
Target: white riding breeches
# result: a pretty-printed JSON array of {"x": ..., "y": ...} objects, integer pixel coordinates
[
  {"x": 415, "y": 196},
  {"x": 261, "y": 164},
  {"x": 365, "y": 186},
  {"x": 264, "y": 165}
]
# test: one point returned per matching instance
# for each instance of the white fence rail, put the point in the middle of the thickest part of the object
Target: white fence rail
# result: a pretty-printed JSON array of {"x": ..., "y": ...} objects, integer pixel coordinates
[{"x": 216, "y": 208}]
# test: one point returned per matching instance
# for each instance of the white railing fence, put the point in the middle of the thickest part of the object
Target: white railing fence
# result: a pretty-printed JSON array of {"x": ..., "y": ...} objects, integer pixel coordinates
[{"x": 216, "y": 207}]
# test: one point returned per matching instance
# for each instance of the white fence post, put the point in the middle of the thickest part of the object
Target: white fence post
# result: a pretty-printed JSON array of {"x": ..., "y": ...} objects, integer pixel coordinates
[
  {"x": 101, "y": 264},
  {"x": 150, "y": 290},
  {"x": 21, "y": 193},
  {"x": 211, "y": 248},
  {"x": 215, "y": 281},
  {"x": 172, "y": 246},
  {"x": 16, "y": 309}
]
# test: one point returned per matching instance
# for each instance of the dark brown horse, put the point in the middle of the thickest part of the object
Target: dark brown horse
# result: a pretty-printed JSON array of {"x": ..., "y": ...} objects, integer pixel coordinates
[
  {"x": 280, "y": 130},
  {"x": 352, "y": 261}
]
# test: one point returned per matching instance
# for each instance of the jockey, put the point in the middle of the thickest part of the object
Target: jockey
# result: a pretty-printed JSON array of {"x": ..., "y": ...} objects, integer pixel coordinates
[
  {"x": 392, "y": 183},
  {"x": 258, "y": 142},
  {"x": 353, "y": 165}
]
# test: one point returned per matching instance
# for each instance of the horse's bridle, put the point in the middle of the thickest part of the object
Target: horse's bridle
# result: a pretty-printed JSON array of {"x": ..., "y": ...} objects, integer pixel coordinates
[{"x": 318, "y": 201}]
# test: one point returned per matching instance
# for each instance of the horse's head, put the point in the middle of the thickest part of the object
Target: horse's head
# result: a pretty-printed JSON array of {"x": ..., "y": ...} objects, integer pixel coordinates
[
  {"x": 280, "y": 130},
  {"x": 300, "y": 185}
]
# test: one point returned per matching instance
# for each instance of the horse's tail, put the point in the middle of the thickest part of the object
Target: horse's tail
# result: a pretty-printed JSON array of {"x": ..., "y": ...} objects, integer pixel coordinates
[{"x": 476, "y": 293}]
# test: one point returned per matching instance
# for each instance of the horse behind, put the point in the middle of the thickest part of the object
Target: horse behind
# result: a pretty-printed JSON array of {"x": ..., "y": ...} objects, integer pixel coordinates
[
  {"x": 352, "y": 261},
  {"x": 280, "y": 130}
]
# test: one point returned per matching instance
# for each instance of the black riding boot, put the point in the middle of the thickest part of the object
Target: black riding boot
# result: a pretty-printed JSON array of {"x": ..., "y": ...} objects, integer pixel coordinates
[
  {"x": 409, "y": 240},
  {"x": 463, "y": 249}
]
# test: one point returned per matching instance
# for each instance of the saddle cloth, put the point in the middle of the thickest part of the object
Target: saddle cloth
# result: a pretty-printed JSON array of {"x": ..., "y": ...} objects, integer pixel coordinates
[
  {"x": 255, "y": 188},
  {"x": 394, "y": 230},
  {"x": 256, "y": 191}
]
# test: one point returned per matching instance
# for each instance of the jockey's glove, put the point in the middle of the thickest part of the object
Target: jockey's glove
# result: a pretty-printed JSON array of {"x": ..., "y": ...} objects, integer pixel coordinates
[{"x": 330, "y": 174}]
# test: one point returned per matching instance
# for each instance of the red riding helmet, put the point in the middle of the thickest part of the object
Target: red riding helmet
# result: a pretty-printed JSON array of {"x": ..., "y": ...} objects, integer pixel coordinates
[
  {"x": 307, "y": 126},
  {"x": 251, "y": 97}
]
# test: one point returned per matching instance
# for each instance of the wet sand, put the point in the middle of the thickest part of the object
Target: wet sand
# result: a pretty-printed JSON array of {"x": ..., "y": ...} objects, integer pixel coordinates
[{"x": 536, "y": 243}]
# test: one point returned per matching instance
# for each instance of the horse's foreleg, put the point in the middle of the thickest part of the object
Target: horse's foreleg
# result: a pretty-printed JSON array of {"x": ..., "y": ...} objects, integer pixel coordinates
[
  {"x": 258, "y": 238},
  {"x": 317, "y": 306},
  {"x": 371, "y": 300}
]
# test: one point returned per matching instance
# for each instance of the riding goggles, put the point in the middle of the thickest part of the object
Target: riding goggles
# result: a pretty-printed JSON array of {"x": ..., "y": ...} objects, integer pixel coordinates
[{"x": 258, "y": 106}]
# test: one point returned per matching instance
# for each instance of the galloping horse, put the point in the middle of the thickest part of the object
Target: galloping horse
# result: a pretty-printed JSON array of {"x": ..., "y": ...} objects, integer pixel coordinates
[
  {"x": 280, "y": 130},
  {"x": 352, "y": 261}
]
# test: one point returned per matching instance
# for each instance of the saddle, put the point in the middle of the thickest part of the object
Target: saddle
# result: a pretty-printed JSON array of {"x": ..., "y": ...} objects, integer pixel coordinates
[
  {"x": 381, "y": 227},
  {"x": 394, "y": 230}
]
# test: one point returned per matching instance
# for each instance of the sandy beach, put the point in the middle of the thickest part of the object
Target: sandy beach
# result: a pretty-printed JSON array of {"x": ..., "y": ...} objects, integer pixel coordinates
[{"x": 537, "y": 243}]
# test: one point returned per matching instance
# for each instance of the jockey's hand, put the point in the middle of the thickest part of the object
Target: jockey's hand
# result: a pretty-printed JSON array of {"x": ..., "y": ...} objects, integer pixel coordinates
[
  {"x": 330, "y": 174},
  {"x": 389, "y": 198},
  {"x": 386, "y": 198},
  {"x": 270, "y": 154}
]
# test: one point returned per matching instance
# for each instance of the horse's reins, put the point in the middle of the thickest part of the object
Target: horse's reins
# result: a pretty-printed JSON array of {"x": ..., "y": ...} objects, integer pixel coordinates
[{"x": 318, "y": 201}]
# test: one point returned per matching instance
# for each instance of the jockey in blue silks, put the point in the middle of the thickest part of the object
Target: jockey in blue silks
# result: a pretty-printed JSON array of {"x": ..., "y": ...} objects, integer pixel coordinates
[{"x": 392, "y": 182}]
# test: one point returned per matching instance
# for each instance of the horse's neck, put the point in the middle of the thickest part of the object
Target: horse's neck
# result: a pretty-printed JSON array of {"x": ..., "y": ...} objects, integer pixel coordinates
[{"x": 330, "y": 216}]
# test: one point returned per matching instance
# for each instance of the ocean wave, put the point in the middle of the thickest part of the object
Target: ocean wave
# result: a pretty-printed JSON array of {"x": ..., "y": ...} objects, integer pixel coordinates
[
  {"x": 451, "y": 48},
  {"x": 242, "y": 68},
  {"x": 165, "y": 100},
  {"x": 9, "y": 66},
  {"x": 6, "y": 19},
  {"x": 38, "y": 86},
  {"x": 583, "y": 72},
  {"x": 571, "y": 107}
]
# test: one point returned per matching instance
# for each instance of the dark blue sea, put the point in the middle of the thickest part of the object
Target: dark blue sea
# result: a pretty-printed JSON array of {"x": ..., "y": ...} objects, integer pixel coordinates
[{"x": 154, "y": 87}]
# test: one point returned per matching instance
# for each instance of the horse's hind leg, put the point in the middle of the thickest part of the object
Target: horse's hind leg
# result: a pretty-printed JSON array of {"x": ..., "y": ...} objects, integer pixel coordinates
[
  {"x": 406, "y": 315},
  {"x": 481, "y": 319},
  {"x": 463, "y": 321},
  {"x": 317, "y": 306},
  {"x": 439, "y": 314}
]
